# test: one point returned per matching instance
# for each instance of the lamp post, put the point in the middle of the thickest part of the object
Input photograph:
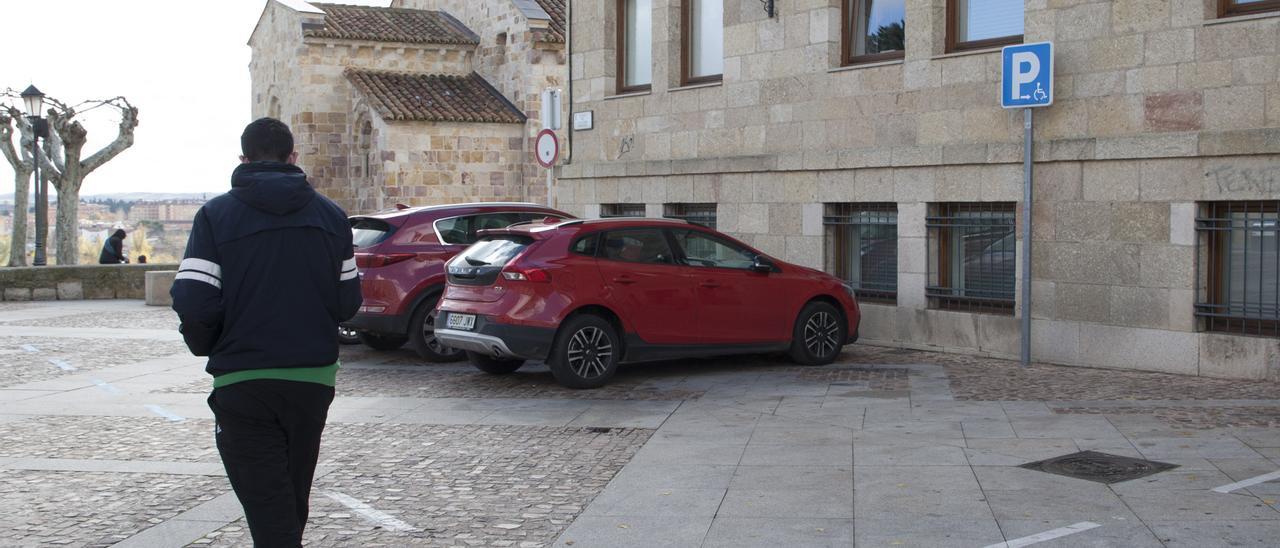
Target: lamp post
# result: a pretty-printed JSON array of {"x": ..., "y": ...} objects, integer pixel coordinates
[{"x": 34, "y": 101}]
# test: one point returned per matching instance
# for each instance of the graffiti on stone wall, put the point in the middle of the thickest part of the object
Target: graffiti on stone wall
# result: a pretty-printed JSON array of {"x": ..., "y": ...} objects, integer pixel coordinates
[
  {"x": 1235, "y": 179},
  {"x": 625, "y": 145}
]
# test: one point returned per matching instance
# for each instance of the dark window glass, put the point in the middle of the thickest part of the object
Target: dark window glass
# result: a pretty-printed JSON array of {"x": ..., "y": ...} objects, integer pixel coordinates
[
  {"x": 702, "y": 249},
  {"x": 862, "y": 248},
  {"x": 1227, "y": 8},
  {"x": 492, "y": 251},
  {"x": 367, "y": 232},
  {"x": 973, "y": 258},
  {"x": 702, "y": 214},
  {"x": 585, "y": 245},
  {"x": 462, "y": 230},
  {"x": 1239, "y": 266},
  {"x": 637, "y": 246}
]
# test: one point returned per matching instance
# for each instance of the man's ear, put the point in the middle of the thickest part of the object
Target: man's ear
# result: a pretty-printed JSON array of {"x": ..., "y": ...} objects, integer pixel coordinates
[
  {"x": 244, "y": 159},
  {"x": 293, "y": 157}
]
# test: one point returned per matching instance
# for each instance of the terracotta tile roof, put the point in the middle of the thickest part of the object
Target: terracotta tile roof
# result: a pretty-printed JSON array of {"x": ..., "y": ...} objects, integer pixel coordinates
[
  {"x": 554, "y": 8},
  {"x": 434, "y": 97},
  {"x": 391, "y": 25}
]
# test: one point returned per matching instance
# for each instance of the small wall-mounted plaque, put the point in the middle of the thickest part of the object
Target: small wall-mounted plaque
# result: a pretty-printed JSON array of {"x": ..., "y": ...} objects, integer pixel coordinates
[{"x": 583, "y": 121}]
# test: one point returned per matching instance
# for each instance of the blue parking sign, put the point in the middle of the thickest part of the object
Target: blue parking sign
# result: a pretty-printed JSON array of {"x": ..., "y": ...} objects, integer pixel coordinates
[{"x": 1026, "y": 77}]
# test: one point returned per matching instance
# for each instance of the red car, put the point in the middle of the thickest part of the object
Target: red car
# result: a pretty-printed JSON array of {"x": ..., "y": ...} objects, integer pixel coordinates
[
  {"x": 588, "y": 295},
  {"x": 401, "y": 254}
]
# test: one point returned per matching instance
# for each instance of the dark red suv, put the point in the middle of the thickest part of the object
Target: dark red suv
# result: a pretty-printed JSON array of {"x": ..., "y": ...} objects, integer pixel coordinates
[
  {"x": 401, "y": 254},
  {"x": 588, "y": 295}
]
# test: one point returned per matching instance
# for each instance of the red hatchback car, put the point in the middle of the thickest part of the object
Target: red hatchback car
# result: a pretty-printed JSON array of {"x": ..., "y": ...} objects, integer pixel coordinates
[
  {"x": 588, "y": 295},
  {"x": 401, "y": 254}
]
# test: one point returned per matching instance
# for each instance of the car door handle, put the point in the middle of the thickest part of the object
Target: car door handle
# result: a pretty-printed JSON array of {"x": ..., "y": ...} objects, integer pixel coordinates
[
  {"x": 625, "y": 280},
  {"x": 710, "y": 284}
]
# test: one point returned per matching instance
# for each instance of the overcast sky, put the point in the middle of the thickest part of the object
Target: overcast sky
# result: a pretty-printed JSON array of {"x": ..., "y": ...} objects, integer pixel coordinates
[{"x": 184, "y": 64}]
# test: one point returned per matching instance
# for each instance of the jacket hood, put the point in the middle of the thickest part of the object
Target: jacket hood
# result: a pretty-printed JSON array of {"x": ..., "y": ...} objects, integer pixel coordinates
[{"x": 274, "y": 187}]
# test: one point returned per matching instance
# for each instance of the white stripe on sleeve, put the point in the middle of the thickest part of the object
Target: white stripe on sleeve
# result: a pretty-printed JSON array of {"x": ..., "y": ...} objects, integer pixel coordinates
[
  {"x": 199, "y": 277},
  {"x": 348, "y": 275},
  {"x": 200, "y": 265},
  {"x": 348, "y": 265}
]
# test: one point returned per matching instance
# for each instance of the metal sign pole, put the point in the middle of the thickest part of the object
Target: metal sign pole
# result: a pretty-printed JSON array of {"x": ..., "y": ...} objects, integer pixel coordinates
[
  {"x": 1026, "y": 236},
  {"x": 550, "y": 201}
]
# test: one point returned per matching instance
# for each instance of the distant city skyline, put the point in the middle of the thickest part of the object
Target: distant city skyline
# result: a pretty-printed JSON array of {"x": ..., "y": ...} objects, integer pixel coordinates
[{"x": 186, "y": 70}]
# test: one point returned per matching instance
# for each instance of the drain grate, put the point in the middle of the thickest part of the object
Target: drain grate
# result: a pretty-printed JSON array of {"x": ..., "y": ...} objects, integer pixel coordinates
[{"x": 1099, "y": 467}]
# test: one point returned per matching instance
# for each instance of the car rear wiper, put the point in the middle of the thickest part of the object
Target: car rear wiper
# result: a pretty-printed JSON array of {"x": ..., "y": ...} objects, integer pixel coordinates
[{"x": 476, "y": 262}]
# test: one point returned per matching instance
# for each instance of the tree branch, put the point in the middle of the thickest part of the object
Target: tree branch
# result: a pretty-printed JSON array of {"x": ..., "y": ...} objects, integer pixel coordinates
[
  {"x": 123, "y": 140},
  {"x": 6, "y": 140}
]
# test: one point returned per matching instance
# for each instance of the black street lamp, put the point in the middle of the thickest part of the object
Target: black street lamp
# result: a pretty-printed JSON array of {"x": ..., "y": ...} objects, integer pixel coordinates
[{"x": 34, "y": 101}]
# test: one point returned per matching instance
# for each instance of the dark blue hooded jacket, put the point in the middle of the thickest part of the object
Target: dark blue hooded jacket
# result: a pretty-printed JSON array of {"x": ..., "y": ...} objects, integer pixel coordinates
[{"x": 267, "y": 275}]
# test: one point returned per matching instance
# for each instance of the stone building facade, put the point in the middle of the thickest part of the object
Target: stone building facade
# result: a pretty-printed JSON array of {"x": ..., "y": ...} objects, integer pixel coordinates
[
  {"x": 423, "y": 102},
  {"x": 1157, "y": 169}
]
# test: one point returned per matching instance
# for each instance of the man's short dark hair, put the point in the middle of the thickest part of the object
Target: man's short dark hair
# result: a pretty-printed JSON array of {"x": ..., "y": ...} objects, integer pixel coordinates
[{"x": 266, "y": 139}]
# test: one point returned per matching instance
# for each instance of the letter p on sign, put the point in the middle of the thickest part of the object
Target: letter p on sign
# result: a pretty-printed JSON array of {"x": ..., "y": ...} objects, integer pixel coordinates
[{"x": 1026, "y": 78}]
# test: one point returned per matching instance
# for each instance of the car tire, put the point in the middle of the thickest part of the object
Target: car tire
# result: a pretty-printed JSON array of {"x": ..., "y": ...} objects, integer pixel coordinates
[
  {"x": 818, "y": 335},
  {"x": 586, "y": 352},
  {"x": 348, "y": 336},
  {"x": 492, "y": 365},
  {"x": 422, "y": 335},
  {"x": 382, "y": 342}
]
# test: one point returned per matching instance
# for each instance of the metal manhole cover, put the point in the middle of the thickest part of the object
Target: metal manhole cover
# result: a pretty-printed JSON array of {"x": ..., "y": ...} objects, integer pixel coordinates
[{"x": 1099, "y": 467}]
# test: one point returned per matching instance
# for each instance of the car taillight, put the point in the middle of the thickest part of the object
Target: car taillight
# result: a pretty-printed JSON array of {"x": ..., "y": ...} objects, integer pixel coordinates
[
  {"x": 375, "y": 260},
  {"x": 526, "y": 275}
]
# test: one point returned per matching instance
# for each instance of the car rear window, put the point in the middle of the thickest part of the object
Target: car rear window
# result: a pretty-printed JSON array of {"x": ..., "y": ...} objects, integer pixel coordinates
[
  {"x": 462, "y": 230},
  {"x": 493, "y": 250},
  {"x": 367, "y": 232}
]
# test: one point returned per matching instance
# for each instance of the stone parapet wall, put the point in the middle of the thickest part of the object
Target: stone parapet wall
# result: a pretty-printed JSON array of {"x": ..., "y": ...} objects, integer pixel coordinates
[{"x": 68, "y": 283}]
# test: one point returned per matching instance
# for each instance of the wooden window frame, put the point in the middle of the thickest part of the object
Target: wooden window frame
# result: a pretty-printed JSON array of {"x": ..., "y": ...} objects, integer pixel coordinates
[
  {"x": 941, "y": 234},
  {"x": 847, "y": 58},
  {"x": 621, "y": 53},
  {"x": 686, "y": 49},
  {"x": 953, "y": 31},
  {"x": 1214, "y": 230},
  {"x": 1232, "y": 8}
]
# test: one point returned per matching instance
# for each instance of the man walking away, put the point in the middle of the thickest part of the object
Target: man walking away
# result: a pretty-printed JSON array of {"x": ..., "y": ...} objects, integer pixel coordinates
[
  {"x": 113, "y": 249},
  {"x": 268, "y": 274}
]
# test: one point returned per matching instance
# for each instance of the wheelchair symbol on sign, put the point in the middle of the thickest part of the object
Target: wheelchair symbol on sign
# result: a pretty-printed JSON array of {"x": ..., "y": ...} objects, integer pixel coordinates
[{"x": 1038, "y": 94}]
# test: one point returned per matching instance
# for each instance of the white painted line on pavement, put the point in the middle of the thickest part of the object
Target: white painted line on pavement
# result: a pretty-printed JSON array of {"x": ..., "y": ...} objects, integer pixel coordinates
[
  {"x": 383, "y": 520},
  {"x": 30, "y": 348},
  {"x": 62, "y": 364},
  {"x": 1246, "y": 483},
  {"x": 1047, "y": 535},
  {"x": 106, "y": 386},
  {"x": 164, "y": 413}
]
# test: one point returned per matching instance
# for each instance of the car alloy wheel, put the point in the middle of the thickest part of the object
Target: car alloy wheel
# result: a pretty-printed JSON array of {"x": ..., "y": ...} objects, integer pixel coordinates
[
  {"x": 589, "y": 352},
  {"x": 822, "y": 335},
  {"x": 429, "y": 338},
  {"x": 348, "y": 336}
]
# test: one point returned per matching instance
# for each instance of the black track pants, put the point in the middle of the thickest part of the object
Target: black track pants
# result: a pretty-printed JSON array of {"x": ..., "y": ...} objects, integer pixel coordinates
[{"x": 268, "y": 433}]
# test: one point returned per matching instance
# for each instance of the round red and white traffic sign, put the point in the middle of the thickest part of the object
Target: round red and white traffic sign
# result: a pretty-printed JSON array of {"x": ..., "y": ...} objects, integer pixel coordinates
[{"x": 547, "y": 148}]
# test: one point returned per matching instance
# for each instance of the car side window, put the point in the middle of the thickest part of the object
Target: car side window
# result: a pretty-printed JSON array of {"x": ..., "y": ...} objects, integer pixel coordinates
[
  {"x": 585, "y": 245},
  {"x": 637, "y": 246},
  {"x": 702, "y": 249},
  {"x": 462, "y": 230}
]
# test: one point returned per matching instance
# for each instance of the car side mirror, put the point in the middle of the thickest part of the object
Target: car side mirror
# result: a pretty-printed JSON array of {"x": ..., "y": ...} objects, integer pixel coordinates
[{"x": 763, "y": 264}]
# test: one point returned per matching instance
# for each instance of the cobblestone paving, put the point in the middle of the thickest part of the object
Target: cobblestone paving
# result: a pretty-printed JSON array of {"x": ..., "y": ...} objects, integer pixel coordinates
[
  {"x": 987, "y": 379},
  {"x": 1200, "y": 418},
  {"x": 156, "y": 317},
  {"x": 19, "y": 365},
  {"x": 457, "y": 485},
  {"x": 93, "y": 508},
  {"x": 119, "y": 438}
]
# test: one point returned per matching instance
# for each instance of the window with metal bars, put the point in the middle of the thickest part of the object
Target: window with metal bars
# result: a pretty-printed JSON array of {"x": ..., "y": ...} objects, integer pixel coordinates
[
  {"x": 861, "y": 243},
  {"x": 621, "y": 210},
  {"x": 703, "y": 214},
  {"x": 972, "y": 256},
  {"x": 1238, "y": 267}
]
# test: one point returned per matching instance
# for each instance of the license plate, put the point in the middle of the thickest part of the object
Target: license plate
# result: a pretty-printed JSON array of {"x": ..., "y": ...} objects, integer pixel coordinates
[{"x": 461, "y": 321}]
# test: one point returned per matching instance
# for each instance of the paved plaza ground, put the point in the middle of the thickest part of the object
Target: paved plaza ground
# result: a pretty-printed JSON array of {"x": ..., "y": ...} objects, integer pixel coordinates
[{"x": 105, "y": 439}]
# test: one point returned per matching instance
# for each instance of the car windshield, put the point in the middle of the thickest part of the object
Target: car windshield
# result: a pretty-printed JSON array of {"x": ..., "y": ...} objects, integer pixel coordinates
[
  {"x": 367, "y": 232},
  {"x": 493, "y": 250}
]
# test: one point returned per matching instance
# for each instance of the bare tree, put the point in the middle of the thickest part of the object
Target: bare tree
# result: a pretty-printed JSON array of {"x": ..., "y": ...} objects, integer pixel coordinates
[
  {"x": 20, "y": 159},
  {"x": 61, "y": 162}
]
